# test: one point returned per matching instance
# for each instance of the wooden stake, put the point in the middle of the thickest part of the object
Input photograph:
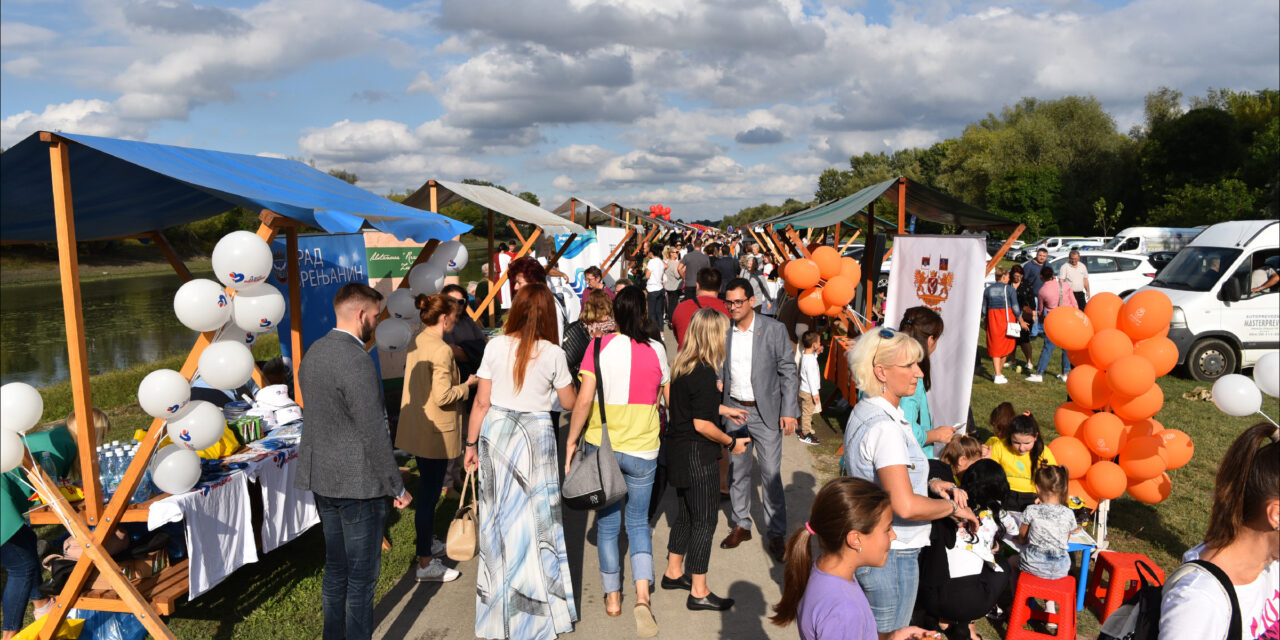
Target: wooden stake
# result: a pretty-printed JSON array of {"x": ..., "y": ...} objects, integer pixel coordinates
[
  {"x": 517, "y": 230},
  {"x": 613, "y": 255},
  {"x": 176, "y": 262},
  {"x": 1004, "y": 248},
  {"x": 524, "y": 248},
  {"x": 902, "y": 205},
  {"x": 295, "y": 306},
  {"x": 850, "y": 242}
]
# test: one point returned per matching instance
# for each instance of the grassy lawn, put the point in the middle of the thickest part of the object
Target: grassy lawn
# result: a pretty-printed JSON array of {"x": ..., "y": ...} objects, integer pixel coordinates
[{"x": 1163, "y": 531}]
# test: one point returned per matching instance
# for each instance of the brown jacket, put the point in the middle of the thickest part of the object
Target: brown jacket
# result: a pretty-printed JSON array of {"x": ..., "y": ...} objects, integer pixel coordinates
[{"x": 431, "y": 407}]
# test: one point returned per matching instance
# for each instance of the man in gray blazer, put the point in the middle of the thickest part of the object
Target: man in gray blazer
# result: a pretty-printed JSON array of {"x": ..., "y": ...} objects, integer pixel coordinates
[
  {"x": 345, "y": 460},
  {"x": 760, "y": 375}
]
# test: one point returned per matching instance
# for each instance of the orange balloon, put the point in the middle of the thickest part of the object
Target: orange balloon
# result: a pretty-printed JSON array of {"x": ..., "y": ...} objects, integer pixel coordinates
[
  {"x": 1076, "y": 488},
  {"x": 1151, "y": 491},
  {"x": 1179, "y": 447},
  {"x": 850, "y": 269},
  {"x": 1131, "y": 375},
  {"x": 828, "y": 260},
  {"x": 1108, "y": 345},
  {"x": 1146, "y": 314},
  {"x": 1141, "y": 460},
  {"x": 1068, "y": 418},
  {"x": 1072, "y": 454},
  {"x": 1103, "y": 310},
  {"x": 1069, "y": 328},
  {"x": 1088, "y": 387},
  {"x": 1079, "y": 357},
  {"x": 1101, "y": 433},
  {"x": 1160, "y": 351},
  {"x": 810, "y": 302},
  {"x": 791, "y": 291},
  {"x": 1141, "y": 428},
  {"x": 833, "y": 311},
  {"x": 838, "y": 291},
  {"x": 1105, "y": 480},
  {"x": 1138, "y": 407},
  {"x": 802, "y": 274}
]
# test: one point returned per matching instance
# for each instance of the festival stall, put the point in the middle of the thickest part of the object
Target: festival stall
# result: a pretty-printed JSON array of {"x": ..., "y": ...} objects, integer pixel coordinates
[
  {"x": 128, "y": 189},
  {"x": 434, "y": 194}
]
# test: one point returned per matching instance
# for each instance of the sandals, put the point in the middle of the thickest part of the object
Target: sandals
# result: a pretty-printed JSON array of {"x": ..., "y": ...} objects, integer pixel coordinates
[
  {"x": 646, "y": 624},
  {"x": 613, "y": 613}
]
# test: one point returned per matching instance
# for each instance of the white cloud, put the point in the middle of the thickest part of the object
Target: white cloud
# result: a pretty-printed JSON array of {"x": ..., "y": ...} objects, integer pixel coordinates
[
  {"x": 421, "y": 83},
  {"x": 91, "y": 117},
  {"x": 22, "y": 67},
  {"x": 564, "y": 183},
  {"x": 577, "y": 156},
  {"x": 14, "y": 35}
]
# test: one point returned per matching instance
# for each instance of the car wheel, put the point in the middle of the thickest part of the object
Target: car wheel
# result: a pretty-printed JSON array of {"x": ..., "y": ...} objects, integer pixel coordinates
[
  {"x": 882, "y": 283},
  {"x": 1211, "y": 359}
]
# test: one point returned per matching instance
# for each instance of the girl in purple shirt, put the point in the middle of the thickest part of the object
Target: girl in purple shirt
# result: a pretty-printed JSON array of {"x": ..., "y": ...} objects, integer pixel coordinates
[{"x": 852, "y": 521}]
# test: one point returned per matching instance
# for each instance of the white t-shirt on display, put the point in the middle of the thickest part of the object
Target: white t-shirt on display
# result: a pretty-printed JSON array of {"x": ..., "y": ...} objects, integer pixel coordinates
[
  {"x": 546, "y": 371},
  {"x": 655, "y": 267},
  {"x": 1195, "y": 607}
]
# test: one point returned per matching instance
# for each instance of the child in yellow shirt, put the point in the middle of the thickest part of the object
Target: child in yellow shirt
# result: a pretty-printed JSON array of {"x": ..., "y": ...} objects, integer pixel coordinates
[{"x": 1020, "y": 450}]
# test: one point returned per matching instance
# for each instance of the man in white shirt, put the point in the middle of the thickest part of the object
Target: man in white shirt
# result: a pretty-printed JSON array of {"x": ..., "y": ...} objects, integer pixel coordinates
[
  {"x": 1076, "y": 275},
  {"x": 759, "y": 375},
  {"x": 655, "y": 295}
]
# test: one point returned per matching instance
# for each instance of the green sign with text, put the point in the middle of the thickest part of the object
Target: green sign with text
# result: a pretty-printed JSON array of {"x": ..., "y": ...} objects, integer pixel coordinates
[{"x": 391, "y": 262}]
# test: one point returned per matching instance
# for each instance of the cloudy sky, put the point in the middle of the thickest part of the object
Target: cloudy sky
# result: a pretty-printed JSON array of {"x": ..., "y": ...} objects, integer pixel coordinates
[{"x": 704, "y": 106}]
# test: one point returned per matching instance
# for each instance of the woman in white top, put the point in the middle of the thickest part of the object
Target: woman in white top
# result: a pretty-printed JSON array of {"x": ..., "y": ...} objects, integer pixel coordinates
[
  {"x": 1243, "y": 541},
  {"x": 880, "y": 447},
  {"x": 523, "y": 586},
  {"x": 655, "y": 295}
]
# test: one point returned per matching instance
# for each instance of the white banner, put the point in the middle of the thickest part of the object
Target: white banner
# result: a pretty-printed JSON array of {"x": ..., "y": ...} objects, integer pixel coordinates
[{"x": 944, "y": 273}]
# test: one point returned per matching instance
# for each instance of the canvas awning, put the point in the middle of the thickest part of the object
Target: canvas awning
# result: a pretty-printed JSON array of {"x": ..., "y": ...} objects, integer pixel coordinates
[
  {"x": 922, "y": 202},
  {"x": 125, "y": 187},
  {"x": 590, "y": 212},
  {"x": 494, "y": 199}
]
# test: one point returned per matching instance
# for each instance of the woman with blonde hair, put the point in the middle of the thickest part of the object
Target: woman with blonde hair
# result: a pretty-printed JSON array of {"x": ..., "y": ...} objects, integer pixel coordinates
[
  {"x": 694, "y": 443},
  {"x": 880, "y": 447},
  {"x": 672, "y": 281},
  {"x": 595, "y": 320},
  {"x": 430, "y": 425},
  {"x": 523, "y": 586}
]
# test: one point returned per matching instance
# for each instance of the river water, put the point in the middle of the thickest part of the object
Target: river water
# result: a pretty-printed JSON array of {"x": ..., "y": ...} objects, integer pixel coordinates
[{"x": 128, "y": 321}]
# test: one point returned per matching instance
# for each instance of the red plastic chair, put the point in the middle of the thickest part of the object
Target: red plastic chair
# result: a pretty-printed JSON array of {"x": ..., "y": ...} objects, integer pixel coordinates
[
  {"x": 1124, "y": 576},
  {"x": 1061, "y": 591}
]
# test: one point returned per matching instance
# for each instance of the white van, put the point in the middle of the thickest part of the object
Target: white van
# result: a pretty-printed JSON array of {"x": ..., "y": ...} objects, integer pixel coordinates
[
  {"x": 1145, "y": 240},
  {"x": 1226, "y": 297}
]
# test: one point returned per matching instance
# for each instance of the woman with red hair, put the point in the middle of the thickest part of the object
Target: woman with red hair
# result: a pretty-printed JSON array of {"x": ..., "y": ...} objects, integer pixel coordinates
[{"x": 523, "y": 586}]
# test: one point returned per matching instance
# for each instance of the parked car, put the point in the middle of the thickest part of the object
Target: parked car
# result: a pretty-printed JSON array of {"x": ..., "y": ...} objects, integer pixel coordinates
[
  {"x": 1118, "y": 273},
  {"x": 1146, "y": 240},
  {"x": 1160, "y": 259},
  {"x": 1083, "y": 245}
]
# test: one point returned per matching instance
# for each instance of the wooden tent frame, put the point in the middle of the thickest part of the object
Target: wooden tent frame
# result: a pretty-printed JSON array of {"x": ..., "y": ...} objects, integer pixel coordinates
[{"x": 92, "y": 523}]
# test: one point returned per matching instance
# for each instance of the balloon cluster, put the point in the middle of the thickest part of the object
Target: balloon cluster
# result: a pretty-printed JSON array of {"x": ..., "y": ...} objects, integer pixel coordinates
[
  {"x": 823, "y": 283},
  {"x": 20, "y": 409},
  {"x": 1110, "y": 441},
  {"x": 1238, "y": 396},
  {"x": 394, "y": 333},
  {"x": 659, "y": 211}
]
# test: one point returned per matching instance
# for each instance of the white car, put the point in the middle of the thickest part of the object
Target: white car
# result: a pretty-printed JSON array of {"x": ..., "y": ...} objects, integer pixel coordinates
[
  {"x": 1084, "y": 245},
  {"x": 1118, "y": 273}
]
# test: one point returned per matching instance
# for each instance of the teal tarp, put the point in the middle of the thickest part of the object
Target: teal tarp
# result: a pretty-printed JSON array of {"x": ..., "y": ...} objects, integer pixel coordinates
[{"x": 922, "y": 202}]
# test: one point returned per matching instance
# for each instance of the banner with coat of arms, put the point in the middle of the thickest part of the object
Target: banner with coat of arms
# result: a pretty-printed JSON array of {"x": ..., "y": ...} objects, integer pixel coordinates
[{"x": 944, "y": 273}]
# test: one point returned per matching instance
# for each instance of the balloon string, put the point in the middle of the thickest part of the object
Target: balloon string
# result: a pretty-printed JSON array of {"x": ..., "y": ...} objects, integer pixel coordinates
[{"x": 1269, "y": 419}]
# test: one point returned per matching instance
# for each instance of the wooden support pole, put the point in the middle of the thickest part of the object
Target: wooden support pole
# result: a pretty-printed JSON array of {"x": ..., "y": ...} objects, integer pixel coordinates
[
  {"x": 555, "y": 257},
  {"x": 433, "y": 197},
  {"x": 517, "y": 230},
  {"x": 850, "y": 241},
  {"x": 644, "y": 242},
  {"x": 613, "y": 255},
  {"x": 493, "y": 275},
  {"x": 1004, "y": 248},
  {"x": 784, "y": 247},
  {"x": 902, "y": 205},
  {"x": 868, "y": 277},
  {"x": 795, "y": 239},
  {"x": 162, "y": 243},
  {"x": 836, "y": 241},
  {"x": 295, "y": 305},
  {"x": 524, "y": 249},
  {"x": 573, "y": 212}
]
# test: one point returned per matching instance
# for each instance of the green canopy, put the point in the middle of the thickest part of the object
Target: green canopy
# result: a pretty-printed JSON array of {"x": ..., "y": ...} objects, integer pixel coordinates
[{"x": 922, "y": 202}]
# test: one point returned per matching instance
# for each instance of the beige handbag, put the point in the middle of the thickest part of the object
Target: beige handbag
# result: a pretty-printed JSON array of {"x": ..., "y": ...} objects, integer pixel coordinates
[{"x": 460, "y": 544}]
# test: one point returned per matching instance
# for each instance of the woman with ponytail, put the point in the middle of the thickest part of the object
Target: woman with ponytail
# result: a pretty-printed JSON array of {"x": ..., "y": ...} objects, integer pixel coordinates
[
  {"x": 1242, "y": 542},
  {"x": 853, "y": 523}
]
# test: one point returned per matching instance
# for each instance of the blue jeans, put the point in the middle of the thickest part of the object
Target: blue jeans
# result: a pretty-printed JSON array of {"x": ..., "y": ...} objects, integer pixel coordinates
[
  {"x": 1046, "y": 354},
  {"x": 656, "y": 302},
  {"x": 18, "y": 556},
  {"x": 891, "y": 589},
  {"x": 353, "y": 531},
  {"x": 430, "y": 481},
  {"x": 638, "y": 473}
]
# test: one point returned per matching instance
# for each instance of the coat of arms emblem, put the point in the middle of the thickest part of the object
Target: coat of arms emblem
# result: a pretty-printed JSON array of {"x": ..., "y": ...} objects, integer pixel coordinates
[{"x": 933, "y": 286}]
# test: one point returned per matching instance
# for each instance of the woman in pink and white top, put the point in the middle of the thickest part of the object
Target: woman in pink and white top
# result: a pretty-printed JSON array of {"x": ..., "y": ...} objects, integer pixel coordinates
[{"x": 634, "y": 372}]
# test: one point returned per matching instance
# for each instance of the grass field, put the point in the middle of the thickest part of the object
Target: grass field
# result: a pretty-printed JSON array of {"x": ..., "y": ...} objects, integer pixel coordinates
[{"x": 1163, "y": 531}]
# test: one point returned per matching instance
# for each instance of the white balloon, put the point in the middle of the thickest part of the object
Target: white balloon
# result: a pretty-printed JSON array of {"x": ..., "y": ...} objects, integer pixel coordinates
[
  {"x": 401, "y": 304},
  {"x": 175, "y": 470},
  {"x": 226, "y": 365},
  {"x": 20, "y": 407},
  {"x": 1236, "y": 395},
  {"x": 163, "y": 393},
  {"x": 202, "y": 305},
  {"x": 10, "y": 451},
  {"x": 257, "y": 309},
  {"x": 198, "y": 426},
  {"x": 241, "y": 259},
  {"x": 450, "y": 256},
  {"x": 393, "y": 334},
  {"x": 1267, "y": 374},
  {"x": 232, "y": 333},
  {"x": 426, "y": 279}
]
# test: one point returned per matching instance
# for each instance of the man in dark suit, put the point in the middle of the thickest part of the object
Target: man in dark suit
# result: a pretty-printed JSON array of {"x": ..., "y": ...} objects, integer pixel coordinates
[
  {"x": 759, "y": 375},
  {"x": 345, "y": 460}
]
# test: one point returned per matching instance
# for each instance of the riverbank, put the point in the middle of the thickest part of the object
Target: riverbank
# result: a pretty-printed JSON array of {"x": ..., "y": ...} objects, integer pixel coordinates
[{"x": 32, "y": 272}]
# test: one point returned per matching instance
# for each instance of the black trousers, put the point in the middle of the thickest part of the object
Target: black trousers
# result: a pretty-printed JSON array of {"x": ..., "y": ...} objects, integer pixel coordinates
[
  {"x": 695, "y": 523},
  {"x": 963, "y": 600},
  {"x": 1079, "y": 299}
]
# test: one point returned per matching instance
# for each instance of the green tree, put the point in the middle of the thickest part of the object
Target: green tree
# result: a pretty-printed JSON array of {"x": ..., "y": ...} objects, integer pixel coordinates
[
  {"x": 1106, "y": 220},
  {"x": 1028, "y": 195},
  {"x": 344, "y": 175},
  {"x": 1194, "y": 204}
]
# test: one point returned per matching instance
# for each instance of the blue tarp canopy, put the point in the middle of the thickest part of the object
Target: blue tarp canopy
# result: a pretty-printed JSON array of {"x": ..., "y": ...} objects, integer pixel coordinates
[{"x": 123, "y": 187}]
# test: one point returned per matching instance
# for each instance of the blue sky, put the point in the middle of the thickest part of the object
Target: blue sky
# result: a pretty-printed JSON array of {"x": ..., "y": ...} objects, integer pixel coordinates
[{"x": 706, "y": 107}]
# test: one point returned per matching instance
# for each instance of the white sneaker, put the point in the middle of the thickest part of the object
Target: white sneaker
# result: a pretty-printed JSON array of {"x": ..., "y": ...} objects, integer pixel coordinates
[
  {"x": 1000, "y": 380},
  {"x": 436, "y": 572},
  {"x": 1062, "y": 377},
  {"x": 437, "y": 547},
  {"x": 1035, "y": 377}
]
